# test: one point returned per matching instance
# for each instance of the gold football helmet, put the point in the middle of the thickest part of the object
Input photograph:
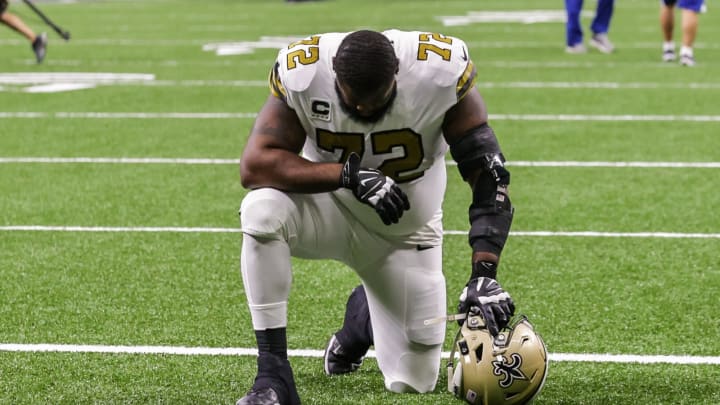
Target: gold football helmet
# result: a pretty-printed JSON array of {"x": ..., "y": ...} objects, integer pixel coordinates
[{"x": 508, "y": 369}]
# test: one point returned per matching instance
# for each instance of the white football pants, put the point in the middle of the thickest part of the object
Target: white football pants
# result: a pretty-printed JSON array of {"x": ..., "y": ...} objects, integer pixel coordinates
[{"x": 404, "y": 285}]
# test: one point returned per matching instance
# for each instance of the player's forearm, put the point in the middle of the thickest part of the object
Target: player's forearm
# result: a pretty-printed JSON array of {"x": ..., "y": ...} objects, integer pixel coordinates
[{"x": 287, "y": 171}]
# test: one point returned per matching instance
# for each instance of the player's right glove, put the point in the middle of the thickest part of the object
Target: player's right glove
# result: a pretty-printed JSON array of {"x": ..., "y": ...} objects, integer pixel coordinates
[
  {"x": 483, "y": 295},
  {"x": 375, "y": 189}
]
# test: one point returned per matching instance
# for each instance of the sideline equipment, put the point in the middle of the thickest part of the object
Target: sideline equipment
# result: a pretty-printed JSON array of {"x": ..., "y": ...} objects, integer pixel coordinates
[{"x": 64, "y": 34}]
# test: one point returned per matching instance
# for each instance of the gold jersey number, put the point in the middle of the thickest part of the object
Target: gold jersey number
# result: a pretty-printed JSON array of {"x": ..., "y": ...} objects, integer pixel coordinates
[
  {"x": 304, "y": 56},
  {"x": 400, "y": 168}
]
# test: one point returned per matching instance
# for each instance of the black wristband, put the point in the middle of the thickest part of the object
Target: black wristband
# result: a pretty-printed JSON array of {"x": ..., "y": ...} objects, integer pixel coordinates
[{"x": 484, "y": 268}]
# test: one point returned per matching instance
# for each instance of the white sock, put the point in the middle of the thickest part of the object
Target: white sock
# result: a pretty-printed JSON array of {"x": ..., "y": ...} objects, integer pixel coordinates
[
  {"x": 670, "y": 45},
  {"x": 686, "y": 50}
]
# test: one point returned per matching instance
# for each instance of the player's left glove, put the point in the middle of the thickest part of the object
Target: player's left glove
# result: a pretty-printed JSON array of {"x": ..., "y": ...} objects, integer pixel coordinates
[
  {"x": 483, "y": 295},
  {"x": 375, "y": 189}
]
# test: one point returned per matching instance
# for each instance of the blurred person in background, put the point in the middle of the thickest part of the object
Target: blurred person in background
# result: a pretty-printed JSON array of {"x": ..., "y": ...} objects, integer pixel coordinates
[
  {"x": 690, "y": 11},
  {"x": 599, "y": 27},
  {"x": 38, "y": 42}
]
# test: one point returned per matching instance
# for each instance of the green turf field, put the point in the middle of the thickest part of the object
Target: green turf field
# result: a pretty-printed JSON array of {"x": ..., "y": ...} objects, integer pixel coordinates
[{"x": 119, "y": 247}]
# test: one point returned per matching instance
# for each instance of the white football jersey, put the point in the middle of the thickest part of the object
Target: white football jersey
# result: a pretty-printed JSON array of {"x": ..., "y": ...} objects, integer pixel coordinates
[{"x": 406, "y": 144}]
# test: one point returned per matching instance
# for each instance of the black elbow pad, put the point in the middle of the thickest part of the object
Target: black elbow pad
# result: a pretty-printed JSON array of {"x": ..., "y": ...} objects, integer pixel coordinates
[{"x": 490, "y": 214}]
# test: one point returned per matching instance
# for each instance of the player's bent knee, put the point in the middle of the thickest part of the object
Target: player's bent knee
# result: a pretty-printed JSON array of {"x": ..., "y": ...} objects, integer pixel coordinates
[
  {"x": 428, "y": 302},
  {"x": 418, "y": 372},
  {"x": 426, "y": 335},
  {"x": 265, "y": 212},
  {"x": 404, "y": 387},
  {"x": 401, "y": 387}
]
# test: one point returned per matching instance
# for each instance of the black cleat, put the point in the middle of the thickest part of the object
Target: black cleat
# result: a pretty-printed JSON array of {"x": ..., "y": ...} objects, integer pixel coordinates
[
  {"x": 262, "y": 396},
  {"x": 337, "y": 361},
  {"x": 39, "y": 46},
  {"x": 274, "y": 383}
]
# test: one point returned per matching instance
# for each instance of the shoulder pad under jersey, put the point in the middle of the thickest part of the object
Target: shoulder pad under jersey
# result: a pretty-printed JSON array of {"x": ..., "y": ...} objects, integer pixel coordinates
[
  {"x": 442, "y": 59},
  {"x": 298, "y": 63}
]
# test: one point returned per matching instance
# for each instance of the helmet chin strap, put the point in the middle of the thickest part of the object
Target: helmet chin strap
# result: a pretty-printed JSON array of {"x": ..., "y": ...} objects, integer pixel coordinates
[
  {"x": 455, "y": 374},
  {"x": 448, "y": 318},
  {"x": 454, "y": 380}
]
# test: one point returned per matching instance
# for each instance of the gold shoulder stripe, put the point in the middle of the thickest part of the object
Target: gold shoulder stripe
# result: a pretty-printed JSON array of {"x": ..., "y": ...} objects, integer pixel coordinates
[
  {"x": 276, "y": 86},
  {"x": 466, "y": 81}
]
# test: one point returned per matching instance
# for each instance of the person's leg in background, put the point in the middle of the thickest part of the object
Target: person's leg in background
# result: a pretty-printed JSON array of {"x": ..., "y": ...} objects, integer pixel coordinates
[
  {"x": 690, "y": 11},
  {"x": 667, "y": 25},
  {"x": 38, "y": 42},
  {"x": 601, "y": 25},
  {"x": 573, "y": 28}
]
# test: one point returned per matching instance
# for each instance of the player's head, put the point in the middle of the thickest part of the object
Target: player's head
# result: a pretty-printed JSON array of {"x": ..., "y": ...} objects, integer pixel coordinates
[{"x": 365, "y": 66}]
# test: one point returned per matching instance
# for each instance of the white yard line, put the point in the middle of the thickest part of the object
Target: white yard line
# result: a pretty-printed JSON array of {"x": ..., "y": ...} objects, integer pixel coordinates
[
  {"x": 143, "y": 43},
  {"x": 570, "y": 64},
  {"x": 138, "y": 79},
  {"x": 482, "y": 85},
  {"x": 170, "y": 229},
  {"x": 594, "y": 234},
  {"x": 599, "y": 85},
  {"x": 162, "y": 229},
  {"x": 705, "y": 165},
  {"x": 596, "y": 117},
  {"x": 239, "y": 351},
  {"x": 214, "y": 161},
  {"x": 265, "y": 63},
  {"x": 127, "y": 115},
  {"x": 252, "y": 115},
  {"x": 121, "y": 160}
]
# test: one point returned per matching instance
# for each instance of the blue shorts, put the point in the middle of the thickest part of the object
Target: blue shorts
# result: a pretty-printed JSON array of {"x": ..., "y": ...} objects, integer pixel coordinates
[
  {"x": 3, "y": 6},
  {"x": 693, "y": 5}
]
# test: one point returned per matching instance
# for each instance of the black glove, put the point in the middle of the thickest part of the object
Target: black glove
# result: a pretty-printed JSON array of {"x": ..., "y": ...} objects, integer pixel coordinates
[
  {"x": 375, "y": 189},
  {"x": 484, "y": 296}
]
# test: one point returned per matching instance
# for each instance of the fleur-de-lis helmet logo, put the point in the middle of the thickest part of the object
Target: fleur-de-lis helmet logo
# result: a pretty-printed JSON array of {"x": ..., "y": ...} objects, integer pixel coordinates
[{"x": 509, "y": 371}]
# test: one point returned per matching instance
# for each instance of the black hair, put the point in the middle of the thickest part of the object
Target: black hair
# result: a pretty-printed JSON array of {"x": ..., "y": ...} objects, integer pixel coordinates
[{"x": 365, "y": 61}]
